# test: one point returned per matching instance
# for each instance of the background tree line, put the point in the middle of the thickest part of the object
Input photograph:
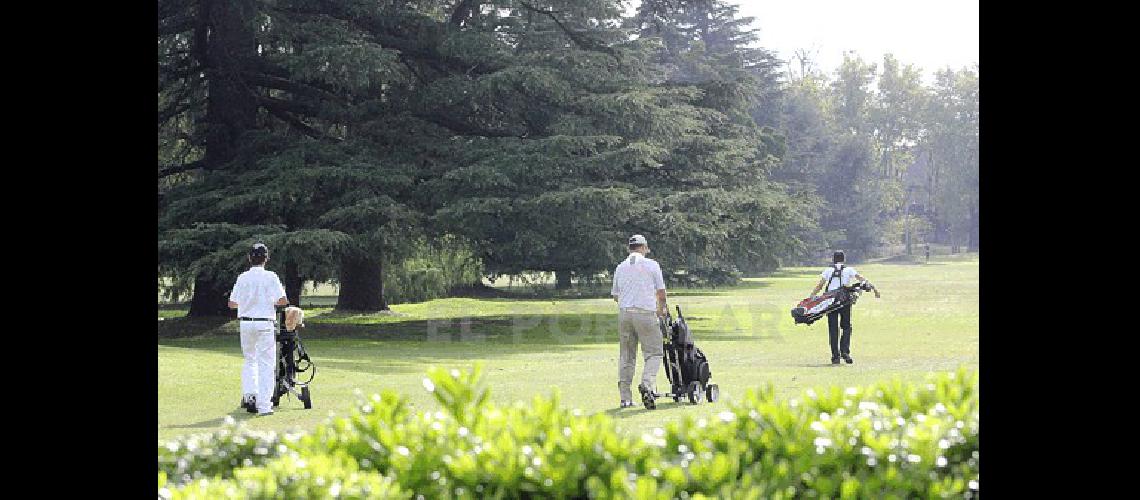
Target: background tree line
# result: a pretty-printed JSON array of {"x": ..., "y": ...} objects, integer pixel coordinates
[
  {"x": 430, "y": 143},
  {"x": 895, "y": 161}
]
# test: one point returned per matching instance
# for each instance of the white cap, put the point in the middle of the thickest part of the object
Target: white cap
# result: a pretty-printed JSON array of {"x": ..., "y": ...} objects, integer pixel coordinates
[{"x": 637, "y": 239}]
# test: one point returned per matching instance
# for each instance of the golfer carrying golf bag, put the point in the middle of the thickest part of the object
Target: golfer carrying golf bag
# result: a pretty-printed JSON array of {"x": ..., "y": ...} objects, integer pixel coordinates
[
  {"x": 836, "y": 276},
  {"x": 639, "y": 290},
  {"x": 254, "y": 295}
]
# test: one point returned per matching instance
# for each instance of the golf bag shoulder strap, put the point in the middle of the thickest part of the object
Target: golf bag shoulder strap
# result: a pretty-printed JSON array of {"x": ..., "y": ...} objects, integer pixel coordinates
[{"x": 836, "y": 273}]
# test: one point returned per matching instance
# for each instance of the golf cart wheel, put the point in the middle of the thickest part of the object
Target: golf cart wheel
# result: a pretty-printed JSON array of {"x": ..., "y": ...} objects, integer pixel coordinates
[
  {"x": 696, "y": 392},
  {"x": 305, "y": 398},
  {"x": 712, "y": 393}
]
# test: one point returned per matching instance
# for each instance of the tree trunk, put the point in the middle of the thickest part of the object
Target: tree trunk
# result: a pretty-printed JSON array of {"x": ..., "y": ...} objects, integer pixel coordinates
[
  {"x": 562, "y": 280},
  {"x": 230, "y": 110},
  {"x": 210, "y": 299},
  {"x": 972, "y": 239},
  {"x": 906, "y": 221},
  {"x": 292, "y": 282},
  {"x": 361, "y": 284}
]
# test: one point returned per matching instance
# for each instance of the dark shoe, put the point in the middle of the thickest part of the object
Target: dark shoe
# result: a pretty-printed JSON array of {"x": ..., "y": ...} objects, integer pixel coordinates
[
  {"x": 847, "y": 358},
  {"x": 835, "y": 361},
  {"x": 250, "y": 404},
  {"x": 627, "y": 404},
  {"x": 648, "y": 398}
]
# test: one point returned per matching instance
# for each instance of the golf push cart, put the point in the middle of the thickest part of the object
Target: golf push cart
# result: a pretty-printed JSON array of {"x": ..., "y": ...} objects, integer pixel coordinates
[
  {"x": 291, "y": 360},
  {"x": 686, "y": 366}
]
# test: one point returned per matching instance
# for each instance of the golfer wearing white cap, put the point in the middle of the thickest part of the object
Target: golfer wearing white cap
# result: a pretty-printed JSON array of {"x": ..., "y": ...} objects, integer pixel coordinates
[{"x": 639, "y": 290}]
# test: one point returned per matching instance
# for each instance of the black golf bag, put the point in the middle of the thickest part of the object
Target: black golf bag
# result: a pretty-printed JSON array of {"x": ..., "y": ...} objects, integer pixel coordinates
[
  {"x": 291, "y": 360},
  {"x": 685, "y": 365}
]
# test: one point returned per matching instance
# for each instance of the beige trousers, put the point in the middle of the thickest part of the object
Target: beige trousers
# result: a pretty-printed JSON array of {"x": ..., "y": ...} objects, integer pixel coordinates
[{"x": 634, "y": 327}]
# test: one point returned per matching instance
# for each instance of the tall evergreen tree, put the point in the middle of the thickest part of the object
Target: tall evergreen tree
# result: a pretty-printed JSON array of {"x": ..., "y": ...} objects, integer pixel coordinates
[
  {"x": 201, "y": 45},
  {"x": 536, "y": 129},
  {"x": 280, "y": 77},
  {"x": 708, "y": 46}
]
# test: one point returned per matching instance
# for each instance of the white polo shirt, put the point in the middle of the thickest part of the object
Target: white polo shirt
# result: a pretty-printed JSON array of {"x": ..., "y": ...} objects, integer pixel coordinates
[
  {"x": 255, "y": 292},
  {"x": 636, "y": 281},
  {"x": 846, "y": 277}
]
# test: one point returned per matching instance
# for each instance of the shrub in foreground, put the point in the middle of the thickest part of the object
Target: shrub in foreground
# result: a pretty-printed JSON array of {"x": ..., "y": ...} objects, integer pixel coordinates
[{"x": 887, "y": 440}]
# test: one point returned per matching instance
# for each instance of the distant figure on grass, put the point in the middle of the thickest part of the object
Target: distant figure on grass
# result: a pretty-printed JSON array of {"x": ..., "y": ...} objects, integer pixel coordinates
[
  {"x": 928, "y": 252},
  {"x": 254, "y": 295},
  {"x": 639, "y": 290},
  {"x": 834, "y": 277}
]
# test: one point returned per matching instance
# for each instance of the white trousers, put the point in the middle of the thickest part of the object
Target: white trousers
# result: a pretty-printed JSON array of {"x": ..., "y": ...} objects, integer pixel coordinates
[{"x": 259, "y": 348}]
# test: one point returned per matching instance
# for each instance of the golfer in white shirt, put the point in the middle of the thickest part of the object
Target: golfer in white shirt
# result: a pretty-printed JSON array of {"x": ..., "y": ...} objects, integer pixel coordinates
[
  {"x": 254, "y": 295},
  {"x": 639, "y": 290},
  {"x": 839, "y": 275}
]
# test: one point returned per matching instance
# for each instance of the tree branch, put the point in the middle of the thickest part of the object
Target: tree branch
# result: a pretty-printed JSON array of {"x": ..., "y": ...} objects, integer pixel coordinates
[
  {"x": 174, "y": 27},
  {"x": 293, "y": 87},
  {"x": 276, "y": 108},
  {"x": 577, "y": 38},
  {"x": 413, "y": 71},
  {"x": 166, "y": 170},
  {"x": 379, "y": 25},
  {"x": 176, "y": 108},
  {"x": 167, "y": 77},
  {"x": 461, "y": 127},
  {"x": 287, "y": 105}
]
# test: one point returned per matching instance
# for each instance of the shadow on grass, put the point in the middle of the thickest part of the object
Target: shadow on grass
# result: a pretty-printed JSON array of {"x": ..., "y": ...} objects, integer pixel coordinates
[
  {"x": 815, "y": 365},
  {"x": 722, "y": 290},
  {"x": 561, "y": 328},
  {"x": 791, "y": 273},
  {"x": 663, "y": 405},
  {"x": 371, "y": 366},
  {"x": 406, "y": 345},
  {"x": 907, "y": 263},
  {"x": 547, "y": 292},
  {"x": 183, "y": 327},
  {"x": 238, "y": 415}
]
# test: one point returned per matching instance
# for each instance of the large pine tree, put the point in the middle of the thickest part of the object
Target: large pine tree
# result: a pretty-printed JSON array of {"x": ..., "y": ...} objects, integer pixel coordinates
[
  {"x": 537, "y": 130},
  {"x": 708, "y": 47},
  {"x": 259, "y": 103}
]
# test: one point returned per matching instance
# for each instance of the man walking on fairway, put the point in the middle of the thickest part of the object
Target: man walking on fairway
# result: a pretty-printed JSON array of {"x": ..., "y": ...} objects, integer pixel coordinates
[
  {"x": 639, "y": 290},
  {"x": 834, "y": 277},
  {"x": 254, "y": 295}
]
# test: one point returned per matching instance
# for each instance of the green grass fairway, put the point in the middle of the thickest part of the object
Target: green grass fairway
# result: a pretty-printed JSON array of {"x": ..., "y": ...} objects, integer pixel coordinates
[{"x": 927, "y": 320}]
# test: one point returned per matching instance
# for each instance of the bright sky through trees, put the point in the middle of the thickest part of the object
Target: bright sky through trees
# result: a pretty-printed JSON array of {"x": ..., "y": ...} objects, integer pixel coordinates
[{"x": 931, "y": 34}]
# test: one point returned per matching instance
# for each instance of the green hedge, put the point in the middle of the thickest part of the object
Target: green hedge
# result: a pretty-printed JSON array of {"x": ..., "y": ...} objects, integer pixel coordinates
[{"x": 887, "y": 440}]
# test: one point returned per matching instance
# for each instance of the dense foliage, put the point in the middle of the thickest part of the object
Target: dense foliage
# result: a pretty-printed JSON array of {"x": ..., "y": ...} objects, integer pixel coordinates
[
  {"x": 886, "y": 440},
  {"x": 346, "y": 133},
  {"x": 893, "y": 160}
]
